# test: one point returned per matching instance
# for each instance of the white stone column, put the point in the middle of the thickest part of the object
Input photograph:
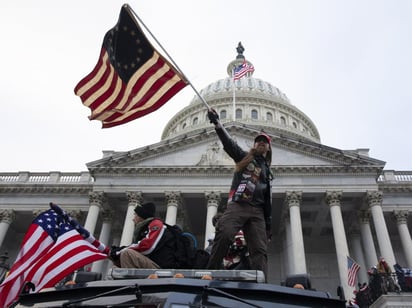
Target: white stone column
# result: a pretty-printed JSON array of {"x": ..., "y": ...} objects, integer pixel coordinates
[
  {"x": 342, "y": 251},
  {"x": 96, "y": 199},
  {"x": 374, "y": 199},
  {"x": 371, "y": 258},
  {"x": 104, "y": 238},
  {"x": 6, "y": 218},
  {"x": 357, "y": 255},
  {"x": 116, "y": 240},
  {"x": 173, "y": 200},
  {"x": 135, "y": 198},
  {"x": 213, "y": 200},
  {"x": 298, "y": 261},
  {"x": 402, "y": 222}
]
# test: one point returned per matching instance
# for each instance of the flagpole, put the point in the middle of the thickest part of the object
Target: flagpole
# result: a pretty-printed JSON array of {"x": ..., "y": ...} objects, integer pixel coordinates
[
  {"x": 167, "y": 54},
  {"x": 234, "y": 96}
]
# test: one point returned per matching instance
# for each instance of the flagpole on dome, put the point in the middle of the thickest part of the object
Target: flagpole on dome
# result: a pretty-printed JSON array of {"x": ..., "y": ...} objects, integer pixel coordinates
[
  {"x": 234, "y": 94},
  {"x": 167, "y": 54},
  {"x": 239, "y": 71},
  {"x": 240, "y": 49}
]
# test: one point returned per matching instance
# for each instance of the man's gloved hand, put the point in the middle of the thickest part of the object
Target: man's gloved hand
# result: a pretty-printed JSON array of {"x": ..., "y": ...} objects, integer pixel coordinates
[
  {"x": 213, "y": 116},
  {"x": 114, "y": 253}
]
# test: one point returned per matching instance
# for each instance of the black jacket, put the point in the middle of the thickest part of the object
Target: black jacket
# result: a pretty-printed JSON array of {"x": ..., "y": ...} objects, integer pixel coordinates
[
  {"x": 153, "y": 239},
  {"x": 251, "y": 185}
]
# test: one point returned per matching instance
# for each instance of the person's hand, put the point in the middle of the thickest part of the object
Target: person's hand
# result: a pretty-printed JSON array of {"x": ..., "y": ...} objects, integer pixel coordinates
[
  {"x": 213, "y": 116},
  {"x": 269, "y": 235},
  {"x": 114, "y": 253}
]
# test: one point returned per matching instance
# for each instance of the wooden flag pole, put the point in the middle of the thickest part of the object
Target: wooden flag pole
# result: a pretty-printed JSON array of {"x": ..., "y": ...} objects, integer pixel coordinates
[
  {"x": 234, "y": 94},
  {"x": 170, "y": 58}
]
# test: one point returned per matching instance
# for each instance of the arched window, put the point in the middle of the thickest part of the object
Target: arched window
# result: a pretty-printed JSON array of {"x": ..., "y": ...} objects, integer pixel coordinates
[
  {"x": 295, "y": 125},
  {"x": 195, "y": 120},
  {"x": 223, "y": 114},
  {"x": 254, "y": 114},
  {"x": 238, "y": 113},
  {"x": 269, "y": 116},
  {"x": 184, "y": 126},
  {"x": 283, "y": 120}
]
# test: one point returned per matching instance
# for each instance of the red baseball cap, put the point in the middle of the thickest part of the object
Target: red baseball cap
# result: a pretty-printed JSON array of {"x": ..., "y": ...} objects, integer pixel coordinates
[{"x": 260, "y": 135}]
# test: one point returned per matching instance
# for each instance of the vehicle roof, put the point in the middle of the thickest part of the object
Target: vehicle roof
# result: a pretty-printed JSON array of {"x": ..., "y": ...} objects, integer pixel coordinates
[{"x": 187, "y": 292}]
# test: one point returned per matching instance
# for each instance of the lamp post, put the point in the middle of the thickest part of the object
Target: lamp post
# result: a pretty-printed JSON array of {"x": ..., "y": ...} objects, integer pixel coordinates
[{"x": 4, "y": 266}]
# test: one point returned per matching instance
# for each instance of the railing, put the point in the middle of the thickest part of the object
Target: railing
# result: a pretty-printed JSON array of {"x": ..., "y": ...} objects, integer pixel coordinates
[
  {"x": 45, "y": 178},
  {"x": 395, "y": 176},
  {"x": 388, "y": 176}
]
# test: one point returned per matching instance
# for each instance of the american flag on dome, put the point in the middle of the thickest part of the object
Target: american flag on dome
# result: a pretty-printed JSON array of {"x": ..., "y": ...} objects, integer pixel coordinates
[
  {"x": 51, "y": 249},
  {"x": 242, "y": 69},
  {"x": 130, "y": 79},
  {"x": 353, "y": 269}
]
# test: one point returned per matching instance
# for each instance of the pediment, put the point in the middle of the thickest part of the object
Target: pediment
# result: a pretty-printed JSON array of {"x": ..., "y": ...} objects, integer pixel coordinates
[{"x": 203, "y": 148}]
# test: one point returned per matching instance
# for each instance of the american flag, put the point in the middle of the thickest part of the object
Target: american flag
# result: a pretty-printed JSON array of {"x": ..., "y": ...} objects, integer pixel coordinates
[
  {"x": 242, "y": 69},
  {"x": 51, "y": 250},
  {"x": 353, "y": 269},
  {"x": 131, "y": 78},
  {"x": 79, "y": 228}
]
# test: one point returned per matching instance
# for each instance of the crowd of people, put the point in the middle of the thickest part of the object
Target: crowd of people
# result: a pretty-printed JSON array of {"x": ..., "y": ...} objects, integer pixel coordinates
[{"x": 381, "y": 280}]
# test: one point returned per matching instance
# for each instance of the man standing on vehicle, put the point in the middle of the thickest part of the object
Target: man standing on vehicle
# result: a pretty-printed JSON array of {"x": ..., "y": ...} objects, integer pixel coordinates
[
  {"x": 249, "y": 206},
  {"x": 153, "y": 245}
]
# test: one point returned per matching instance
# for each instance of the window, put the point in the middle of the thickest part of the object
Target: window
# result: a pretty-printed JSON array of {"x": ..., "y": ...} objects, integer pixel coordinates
[
  {"x": 295, "y": 125},
  {"x": 223, "y": 114},
  {"x": 283, "y": 120},
  {"x": 254, "y": 114},
  {"x": 238, "y": 113},
  {"x": 269, "y": 116},
  {"x": 184, "y": 126},
  {"x": 195, "y": 120}
]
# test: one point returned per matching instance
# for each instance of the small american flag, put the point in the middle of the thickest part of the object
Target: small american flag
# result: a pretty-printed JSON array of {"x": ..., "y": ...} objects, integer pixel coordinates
[
  {"x": 353, "y": 269},
  {"x": 242, "y": 69}
]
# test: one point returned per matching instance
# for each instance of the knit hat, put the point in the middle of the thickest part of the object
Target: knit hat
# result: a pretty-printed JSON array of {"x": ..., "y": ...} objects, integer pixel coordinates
[
  {"x": 145, "y": 210},
  {"x": 262, "y": 134}
]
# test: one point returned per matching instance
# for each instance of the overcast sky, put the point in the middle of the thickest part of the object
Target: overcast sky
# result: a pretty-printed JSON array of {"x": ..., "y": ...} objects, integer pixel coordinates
[{"x": 346, "y": 64}]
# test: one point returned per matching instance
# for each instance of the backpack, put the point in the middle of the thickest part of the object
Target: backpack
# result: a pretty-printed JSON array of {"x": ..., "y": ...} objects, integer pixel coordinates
[{"x": 187, "y": 255}]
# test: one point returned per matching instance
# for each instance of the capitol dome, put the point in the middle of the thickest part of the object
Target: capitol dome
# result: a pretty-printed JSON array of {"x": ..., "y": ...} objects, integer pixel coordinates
[{"x": 254, "y": 102}]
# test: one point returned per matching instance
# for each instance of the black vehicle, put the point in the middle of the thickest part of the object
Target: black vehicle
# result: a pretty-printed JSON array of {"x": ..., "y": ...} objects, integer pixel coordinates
[{"x": 193, "y": 288}]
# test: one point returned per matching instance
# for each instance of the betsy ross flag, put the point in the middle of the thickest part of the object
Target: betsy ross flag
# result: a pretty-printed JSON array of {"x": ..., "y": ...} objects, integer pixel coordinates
[
  {"x": 353, "y": 269},
  {"x": 131, "y": 78},
  {"x": 242, "y": 69},
  {"x": 51, "y": 250}
]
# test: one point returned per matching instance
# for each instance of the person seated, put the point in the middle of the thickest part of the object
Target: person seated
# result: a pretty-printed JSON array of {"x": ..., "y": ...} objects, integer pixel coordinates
[{"x": 153, "y": 244}]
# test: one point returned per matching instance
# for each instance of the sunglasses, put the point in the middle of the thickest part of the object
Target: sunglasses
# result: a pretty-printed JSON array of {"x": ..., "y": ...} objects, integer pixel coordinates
[{"x": 261, "y": 139}]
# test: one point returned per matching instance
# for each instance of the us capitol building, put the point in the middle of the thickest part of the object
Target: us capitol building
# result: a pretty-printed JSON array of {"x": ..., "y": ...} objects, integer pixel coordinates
[{"x": 328, "y": 203}]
